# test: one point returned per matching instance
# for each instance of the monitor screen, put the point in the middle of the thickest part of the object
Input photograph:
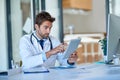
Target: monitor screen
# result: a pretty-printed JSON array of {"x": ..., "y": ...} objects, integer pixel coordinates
[{"x": 113, "y": 36}]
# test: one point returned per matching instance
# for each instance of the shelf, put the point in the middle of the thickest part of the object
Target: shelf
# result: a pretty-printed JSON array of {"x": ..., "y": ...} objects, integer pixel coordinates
[{"x": 77, "y": 4}]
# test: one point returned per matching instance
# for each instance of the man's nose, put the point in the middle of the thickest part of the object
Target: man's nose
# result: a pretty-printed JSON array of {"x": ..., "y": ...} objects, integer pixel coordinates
[{"x": 48, "y": 30}]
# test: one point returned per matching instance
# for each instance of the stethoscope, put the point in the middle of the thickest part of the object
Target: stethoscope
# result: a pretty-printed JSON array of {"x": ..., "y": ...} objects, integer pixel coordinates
[{"x": 51, "y": 46}]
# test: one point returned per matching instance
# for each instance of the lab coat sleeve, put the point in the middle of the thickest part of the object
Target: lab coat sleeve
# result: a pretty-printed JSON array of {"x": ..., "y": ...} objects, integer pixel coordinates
[
  {"x": 44, "y": 56},
  {"x": 63, "y": 62},
  {"x": 29, "y": 59}
]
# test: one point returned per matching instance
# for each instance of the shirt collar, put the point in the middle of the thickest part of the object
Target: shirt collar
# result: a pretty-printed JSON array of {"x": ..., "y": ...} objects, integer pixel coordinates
[{"x": 34, "y": 33}]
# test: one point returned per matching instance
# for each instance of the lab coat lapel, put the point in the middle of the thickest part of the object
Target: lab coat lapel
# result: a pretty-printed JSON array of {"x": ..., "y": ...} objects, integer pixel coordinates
[{"x": 37, "y": 46}]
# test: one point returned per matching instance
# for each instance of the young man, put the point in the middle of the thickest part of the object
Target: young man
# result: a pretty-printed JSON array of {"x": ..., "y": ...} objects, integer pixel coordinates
[{"x": 41, "y": 49}]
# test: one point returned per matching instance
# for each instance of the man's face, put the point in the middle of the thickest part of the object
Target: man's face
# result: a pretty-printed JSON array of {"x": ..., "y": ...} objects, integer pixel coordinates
[{"x": 44, "y": 29}]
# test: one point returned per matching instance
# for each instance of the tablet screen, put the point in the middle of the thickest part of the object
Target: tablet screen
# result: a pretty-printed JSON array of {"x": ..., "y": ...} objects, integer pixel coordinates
[{"x": 73, "y": 45}]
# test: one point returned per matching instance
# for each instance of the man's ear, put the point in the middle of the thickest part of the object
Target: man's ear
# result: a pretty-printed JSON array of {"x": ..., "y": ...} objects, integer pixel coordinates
[{"x": 36, "y": 27}]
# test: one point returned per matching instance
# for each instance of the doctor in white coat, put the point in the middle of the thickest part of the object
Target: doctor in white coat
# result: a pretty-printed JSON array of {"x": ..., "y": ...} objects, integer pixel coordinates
[{"x": 41, "y": 49}]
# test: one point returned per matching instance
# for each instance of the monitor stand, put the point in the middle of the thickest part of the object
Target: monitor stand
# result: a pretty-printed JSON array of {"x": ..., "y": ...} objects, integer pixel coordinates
[{"x": 116, "y": 56}]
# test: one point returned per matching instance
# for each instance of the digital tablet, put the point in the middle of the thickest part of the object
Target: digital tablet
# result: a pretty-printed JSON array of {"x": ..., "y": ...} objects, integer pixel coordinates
[{"x": 73, "y": 45}]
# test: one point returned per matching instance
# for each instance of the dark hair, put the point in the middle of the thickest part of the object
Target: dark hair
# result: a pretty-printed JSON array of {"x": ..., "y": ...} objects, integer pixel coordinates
[{"x": 43, "y": 16}]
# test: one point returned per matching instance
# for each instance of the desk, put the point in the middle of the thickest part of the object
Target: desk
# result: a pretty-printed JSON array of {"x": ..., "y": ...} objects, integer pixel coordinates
[{"x": 82, "y": 72}]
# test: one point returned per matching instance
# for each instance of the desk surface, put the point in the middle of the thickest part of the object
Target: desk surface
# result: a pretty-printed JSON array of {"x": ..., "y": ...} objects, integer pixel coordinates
[{"x": 81, "y": 72}]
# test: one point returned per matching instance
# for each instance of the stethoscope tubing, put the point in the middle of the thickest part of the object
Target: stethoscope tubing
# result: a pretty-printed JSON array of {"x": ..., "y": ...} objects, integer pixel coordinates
[{"x": 51, "y": 46}]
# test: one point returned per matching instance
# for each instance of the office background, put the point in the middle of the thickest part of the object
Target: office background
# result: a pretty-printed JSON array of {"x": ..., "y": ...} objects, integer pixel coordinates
[{"x": 14, "y": 13}]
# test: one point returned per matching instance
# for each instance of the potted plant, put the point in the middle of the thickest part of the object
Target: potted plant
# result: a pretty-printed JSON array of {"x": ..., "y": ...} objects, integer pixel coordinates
[{"x": 103, "y": 43}]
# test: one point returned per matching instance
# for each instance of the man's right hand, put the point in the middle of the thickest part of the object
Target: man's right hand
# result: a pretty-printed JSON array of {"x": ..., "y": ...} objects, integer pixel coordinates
[{"x": 58, "y": 49}]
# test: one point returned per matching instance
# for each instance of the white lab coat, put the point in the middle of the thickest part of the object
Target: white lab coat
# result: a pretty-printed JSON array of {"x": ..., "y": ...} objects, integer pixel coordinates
[{"x": 32, "y": 54}]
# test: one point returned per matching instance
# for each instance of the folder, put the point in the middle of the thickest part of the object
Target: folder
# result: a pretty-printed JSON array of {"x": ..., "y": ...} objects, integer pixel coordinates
[
  {"x": 3, "y": 73},
  {"x": 36, "y": 70}
]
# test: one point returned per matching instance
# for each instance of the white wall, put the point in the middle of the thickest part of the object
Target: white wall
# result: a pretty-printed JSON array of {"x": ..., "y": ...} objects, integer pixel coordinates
[
  {"x": 93, "y": 22},
  {"x": 3, "y": 37},
  {"x": 117, "y": 7},
  {"x": 16, "y": 23},
  {"x": 52, "y": 8}
]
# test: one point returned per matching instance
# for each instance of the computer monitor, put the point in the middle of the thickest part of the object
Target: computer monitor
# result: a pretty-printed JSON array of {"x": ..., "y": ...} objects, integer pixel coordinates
[{"x": 113, "y": 36}]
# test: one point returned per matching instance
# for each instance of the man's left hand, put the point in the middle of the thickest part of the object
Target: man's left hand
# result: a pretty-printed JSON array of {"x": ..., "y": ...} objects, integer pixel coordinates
[{"x": 73, "y": 57}]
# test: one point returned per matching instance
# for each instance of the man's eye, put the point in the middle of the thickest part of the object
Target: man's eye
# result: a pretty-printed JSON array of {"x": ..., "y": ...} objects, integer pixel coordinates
[{"x": 46, "y": 27}]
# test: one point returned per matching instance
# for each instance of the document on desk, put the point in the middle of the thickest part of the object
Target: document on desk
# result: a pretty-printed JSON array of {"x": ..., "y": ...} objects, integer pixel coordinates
[
  {"x": 36, "y": 70},
  {"x": 11, "y": 72},
  {"x": 63, "y": 67}
]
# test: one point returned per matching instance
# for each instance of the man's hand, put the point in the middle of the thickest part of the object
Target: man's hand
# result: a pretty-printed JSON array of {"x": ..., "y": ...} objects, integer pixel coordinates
[
  {"x": 58, "y": 49},
  {"x": 73, "y": 58}
]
